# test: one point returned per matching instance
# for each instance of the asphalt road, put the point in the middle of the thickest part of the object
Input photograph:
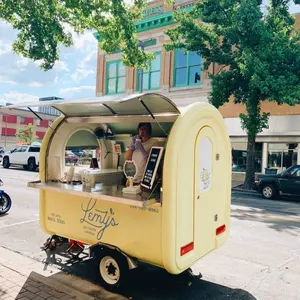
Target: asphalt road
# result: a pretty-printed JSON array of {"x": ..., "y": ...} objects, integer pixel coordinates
[{"x": 261, "y": 259}]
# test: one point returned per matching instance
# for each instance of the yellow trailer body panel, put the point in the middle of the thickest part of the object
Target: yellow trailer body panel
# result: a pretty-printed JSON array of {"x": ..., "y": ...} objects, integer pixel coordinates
[{"x": 191, "y": 216}]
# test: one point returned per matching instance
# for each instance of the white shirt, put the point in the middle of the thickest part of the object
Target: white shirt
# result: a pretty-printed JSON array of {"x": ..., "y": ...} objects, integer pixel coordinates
[{"x": 139, "y": 159}]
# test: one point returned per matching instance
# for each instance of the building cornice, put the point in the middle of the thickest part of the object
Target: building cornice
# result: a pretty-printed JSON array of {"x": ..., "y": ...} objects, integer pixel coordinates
[{"x": 154, "y": 22}]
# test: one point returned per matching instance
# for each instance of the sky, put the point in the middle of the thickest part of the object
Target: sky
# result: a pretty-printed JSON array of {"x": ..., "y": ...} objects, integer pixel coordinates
[{"x": 73, "y": 76}]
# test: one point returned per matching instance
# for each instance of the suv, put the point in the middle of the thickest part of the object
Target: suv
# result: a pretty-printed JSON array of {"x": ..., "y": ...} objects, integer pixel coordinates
[
  {"x": 286, "y": 183},
  {"x": 26, "y": 156},
  {"x": 70, "y": 157}
]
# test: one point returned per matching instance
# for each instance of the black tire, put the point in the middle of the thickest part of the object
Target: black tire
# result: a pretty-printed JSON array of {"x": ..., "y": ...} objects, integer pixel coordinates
[
  {"x": 5, "y": 163},
  {"x": 269, "y": 191},
  {"x": 25, "y": 167},
  {"x": 31, "y": 166},
  {"x": 5, "y": 203},
  {"x": 112, "y": 268}
]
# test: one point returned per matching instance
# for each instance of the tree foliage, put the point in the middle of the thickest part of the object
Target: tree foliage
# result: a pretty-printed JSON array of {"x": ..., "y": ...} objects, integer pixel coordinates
[
  {"x": 26, "y": 134},
  {"x": 44, "y": 25},
  {"x": 259, "y": 56}
]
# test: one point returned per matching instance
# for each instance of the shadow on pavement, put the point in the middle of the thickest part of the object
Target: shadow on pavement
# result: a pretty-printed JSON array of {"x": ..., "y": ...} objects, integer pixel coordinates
[
  {"x": 280, "y": 215},
  {"x": 239, "y": 195},
  {"x": 144, "y": 283},
  {"x": 277, "y": 222},
  {"x": 35, "y": 286},
  {"x": 18, "y": 168}
]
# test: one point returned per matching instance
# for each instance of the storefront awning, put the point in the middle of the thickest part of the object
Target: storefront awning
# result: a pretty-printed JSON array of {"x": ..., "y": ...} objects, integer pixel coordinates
[{"x": 115, "y": 105}]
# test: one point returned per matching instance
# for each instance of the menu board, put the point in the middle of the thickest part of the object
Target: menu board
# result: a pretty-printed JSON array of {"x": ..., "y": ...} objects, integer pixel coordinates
[{"x": 151, "y": 167}]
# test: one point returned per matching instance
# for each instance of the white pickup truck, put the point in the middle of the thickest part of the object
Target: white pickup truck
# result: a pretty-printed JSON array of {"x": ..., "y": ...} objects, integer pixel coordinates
[{"x": 26, "y": 156}]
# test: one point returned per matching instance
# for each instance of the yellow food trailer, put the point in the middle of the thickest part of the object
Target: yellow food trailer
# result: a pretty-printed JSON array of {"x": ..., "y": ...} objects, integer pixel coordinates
[{"x": 182, "y": 217}]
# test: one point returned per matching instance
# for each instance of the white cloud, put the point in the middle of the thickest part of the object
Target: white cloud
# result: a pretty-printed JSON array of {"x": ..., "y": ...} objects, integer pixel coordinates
[
  {"x": 19, "y": 70},
  {"x": 16, "y": 97},
  {"x": 75, "y": 91},
  {"x": 90, "y": 61},
  {"x": 35, "y": 84},
  {"x": 7, "y": 32},
  {"x": 81, "y": 74},
  {"x": 4, "y": 80},
  {"x": 16, "y": 69},
  {"x": 84, "y": 42},
  {"x": 61, "y": 66},
  {"x": 20, "y": 76},
  {"x": 4, "y": 47}
]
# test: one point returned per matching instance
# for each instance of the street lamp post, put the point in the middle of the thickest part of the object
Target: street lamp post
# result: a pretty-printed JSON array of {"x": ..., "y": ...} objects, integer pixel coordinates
[
  {"x": 141, "y": 44},
  {"x": 5, "y": 132}
]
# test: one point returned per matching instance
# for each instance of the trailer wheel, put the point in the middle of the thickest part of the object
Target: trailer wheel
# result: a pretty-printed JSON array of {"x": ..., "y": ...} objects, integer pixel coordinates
[{"x": 113, "y": 268}]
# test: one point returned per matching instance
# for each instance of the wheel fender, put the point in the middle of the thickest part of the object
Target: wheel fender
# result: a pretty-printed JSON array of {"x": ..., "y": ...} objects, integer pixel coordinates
[
  {"x": 264, "y": 183},
  {"x": 132, "y": 262}
]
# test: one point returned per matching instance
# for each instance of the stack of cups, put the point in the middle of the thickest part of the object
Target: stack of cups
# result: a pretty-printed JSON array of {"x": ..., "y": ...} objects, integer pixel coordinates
[{"x": 88, "y": 181}]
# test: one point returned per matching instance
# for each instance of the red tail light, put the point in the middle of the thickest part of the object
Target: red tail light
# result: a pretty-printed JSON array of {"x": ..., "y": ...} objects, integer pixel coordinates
[
  {"x": 187, "y": 248},
  {"x": 220, "y": 229}
]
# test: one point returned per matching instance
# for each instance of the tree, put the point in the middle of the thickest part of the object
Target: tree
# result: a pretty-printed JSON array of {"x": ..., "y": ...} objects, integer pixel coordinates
[
  {"x": 26, "y": 135},
  {"x": 44, "y": 25},
  {"x": 258, "y": 55}
]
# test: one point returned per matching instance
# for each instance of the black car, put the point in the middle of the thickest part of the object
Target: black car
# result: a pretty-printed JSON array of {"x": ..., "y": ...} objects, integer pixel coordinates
[{"x": 286, "y": 183}]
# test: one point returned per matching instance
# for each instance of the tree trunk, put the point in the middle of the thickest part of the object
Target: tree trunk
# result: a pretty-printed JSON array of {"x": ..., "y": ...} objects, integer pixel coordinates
[{"x": 250, "y": 168}]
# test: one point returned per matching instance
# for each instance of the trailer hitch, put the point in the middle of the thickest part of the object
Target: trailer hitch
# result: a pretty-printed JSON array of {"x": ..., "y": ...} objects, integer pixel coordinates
[{"x": 53, "y": 242}]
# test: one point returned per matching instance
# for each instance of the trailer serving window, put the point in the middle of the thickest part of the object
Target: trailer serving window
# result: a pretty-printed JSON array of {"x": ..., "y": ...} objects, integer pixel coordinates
[{"x": 103, "y": 130}]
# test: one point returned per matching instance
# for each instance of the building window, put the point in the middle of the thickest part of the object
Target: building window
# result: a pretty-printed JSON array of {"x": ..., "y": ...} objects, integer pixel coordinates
[
  {"x": 187, "y": 70},
  {"x": 22, "y": 120},
  {"x": 151, "y": 78},
  {"x": 9, "y": 119},
  {"x": 8, "y": 131},
  {"x": 38, "y": 122},
  {"x": 115, "y": 77},
  {"x": 282, "y": 156},
  {"x": 239, "y": 157}
]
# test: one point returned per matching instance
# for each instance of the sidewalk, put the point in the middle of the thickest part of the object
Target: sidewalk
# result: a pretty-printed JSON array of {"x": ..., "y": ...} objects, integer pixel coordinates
[
  {"x": 235, "y": 183},
  {"x": 24, "y": 278}
]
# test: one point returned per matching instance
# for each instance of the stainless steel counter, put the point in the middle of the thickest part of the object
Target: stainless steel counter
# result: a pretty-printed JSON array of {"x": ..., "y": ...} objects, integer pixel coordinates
[{"x": 101, "y": 191}]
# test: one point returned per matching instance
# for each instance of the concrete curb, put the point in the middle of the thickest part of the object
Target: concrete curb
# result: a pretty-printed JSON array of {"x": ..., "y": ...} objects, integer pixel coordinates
[
  {"x": 55, "y": 284},
  {"x": 236, "y": 189}
]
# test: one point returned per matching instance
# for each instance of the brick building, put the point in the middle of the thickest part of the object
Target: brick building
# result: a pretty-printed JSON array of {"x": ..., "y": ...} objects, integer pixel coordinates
[
  {"x": 18, "y": 118},
  {"x": 180, "y": 78}
]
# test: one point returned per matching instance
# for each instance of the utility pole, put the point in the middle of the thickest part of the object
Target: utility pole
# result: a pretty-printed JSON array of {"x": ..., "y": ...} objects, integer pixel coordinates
[{"x": 5, "y": 132}]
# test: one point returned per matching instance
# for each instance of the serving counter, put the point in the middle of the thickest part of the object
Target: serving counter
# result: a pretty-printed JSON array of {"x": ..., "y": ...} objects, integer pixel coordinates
[{"x": 101, "y": 191}]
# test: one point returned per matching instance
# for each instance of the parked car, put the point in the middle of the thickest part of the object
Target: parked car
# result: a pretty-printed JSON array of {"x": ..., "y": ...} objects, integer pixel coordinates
[
  {"x": 78, "y": 152},
  {"x": 284, "y": 184},
  {"x": 27, "y": 156},
  {"x": 70, "y": 157}
]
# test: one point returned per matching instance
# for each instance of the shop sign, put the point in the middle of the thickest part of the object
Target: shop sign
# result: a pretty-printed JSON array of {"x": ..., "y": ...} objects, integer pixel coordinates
[{"x": 157, "y": 10}]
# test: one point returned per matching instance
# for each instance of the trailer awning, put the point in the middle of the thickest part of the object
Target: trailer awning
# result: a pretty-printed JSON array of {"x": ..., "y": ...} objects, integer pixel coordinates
[{"x": 115, "y": 105}]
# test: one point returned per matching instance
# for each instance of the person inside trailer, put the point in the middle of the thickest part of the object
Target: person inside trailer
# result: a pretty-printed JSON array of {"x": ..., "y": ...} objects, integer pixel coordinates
[{"x": 139, "y": 149}]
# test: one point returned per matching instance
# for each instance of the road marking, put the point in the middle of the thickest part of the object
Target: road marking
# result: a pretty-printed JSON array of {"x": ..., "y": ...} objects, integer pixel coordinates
[{"x": 19, "y": 223}]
